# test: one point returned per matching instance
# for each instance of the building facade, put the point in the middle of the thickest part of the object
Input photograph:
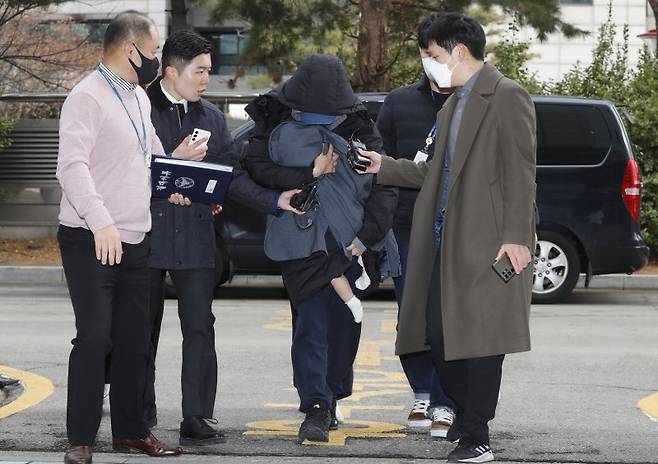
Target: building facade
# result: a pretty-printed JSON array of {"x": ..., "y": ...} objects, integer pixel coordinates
[
  {"x": 557, "y": 55},
  {"x": 551, "y": 59}
]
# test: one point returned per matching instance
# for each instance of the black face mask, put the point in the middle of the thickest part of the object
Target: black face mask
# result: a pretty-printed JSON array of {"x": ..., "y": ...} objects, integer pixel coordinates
[{"x": 148, "y": 71}]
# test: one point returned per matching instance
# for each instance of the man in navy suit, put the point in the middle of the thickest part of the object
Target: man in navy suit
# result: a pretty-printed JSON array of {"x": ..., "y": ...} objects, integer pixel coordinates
[{"x": 183, "y": 233}]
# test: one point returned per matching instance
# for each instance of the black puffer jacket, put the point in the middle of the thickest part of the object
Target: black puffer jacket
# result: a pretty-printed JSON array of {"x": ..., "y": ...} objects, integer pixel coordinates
[{"x": 404, "y": 122}]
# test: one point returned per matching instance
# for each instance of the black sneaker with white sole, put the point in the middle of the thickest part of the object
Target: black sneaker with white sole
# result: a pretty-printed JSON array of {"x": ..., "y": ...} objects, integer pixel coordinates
[
  {"x": 471, "y": 453},
  {"x": 454, "y": 434},
  {"x": 316, "y": 425}
]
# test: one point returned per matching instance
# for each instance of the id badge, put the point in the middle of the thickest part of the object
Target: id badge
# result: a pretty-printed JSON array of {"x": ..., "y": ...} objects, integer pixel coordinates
[{"x": 421, "y": 157}]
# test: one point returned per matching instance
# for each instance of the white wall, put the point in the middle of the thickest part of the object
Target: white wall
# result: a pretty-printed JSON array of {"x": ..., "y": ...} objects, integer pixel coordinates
[
  {"x": 558, "y": 54},
  {"x": 100, "y": 9}
]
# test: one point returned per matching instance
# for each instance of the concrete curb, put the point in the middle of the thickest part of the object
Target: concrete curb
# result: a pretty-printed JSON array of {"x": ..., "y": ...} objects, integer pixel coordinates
[
  {"x": 47, "y": 457},
  {"x": 32, "y": 275},
  {"x": 55, "y": 275}
]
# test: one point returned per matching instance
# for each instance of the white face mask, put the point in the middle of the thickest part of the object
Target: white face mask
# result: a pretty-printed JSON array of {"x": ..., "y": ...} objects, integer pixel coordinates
[{"x": 440, "y": 73}]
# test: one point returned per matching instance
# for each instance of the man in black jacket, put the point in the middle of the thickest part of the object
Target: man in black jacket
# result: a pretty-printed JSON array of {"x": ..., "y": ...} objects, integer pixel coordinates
[
  {"x": 407, "y": 123},
  {"x": 183, "y": 233},
  {"x": 325, "y": 336}
]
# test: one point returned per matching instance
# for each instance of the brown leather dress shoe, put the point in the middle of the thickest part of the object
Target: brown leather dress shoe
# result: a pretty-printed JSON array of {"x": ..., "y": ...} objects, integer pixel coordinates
[
  {"x": 78, "y": 455},
  {"x": 149, "y": 445}
]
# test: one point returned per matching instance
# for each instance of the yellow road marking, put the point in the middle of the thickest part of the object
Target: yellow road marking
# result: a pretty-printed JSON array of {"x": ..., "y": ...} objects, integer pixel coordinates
[
  {"x": 36, "y": 389},
  {"x": 370, "y": 351},
  {"x": 353, "y": 429},
  {"x": 385, "y": 376},
  {"x": 372, "y": 383},
  {"x": 345, "y": 409},
  {"x": 384, "y": 385},
  {"x": 358, "y": 396},
  {"x": 282, "y": 322},
  {"x": 649, "y": 406},
  {"x": 388, "y": 326}
]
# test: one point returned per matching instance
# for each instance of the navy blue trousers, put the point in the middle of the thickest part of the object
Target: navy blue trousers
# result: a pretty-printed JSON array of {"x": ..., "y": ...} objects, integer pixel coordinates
[{"x": 324, "y": 346}]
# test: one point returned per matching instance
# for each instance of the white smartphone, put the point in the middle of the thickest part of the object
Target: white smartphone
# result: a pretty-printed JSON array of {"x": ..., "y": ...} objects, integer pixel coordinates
[{"x": 199, "y": 134}]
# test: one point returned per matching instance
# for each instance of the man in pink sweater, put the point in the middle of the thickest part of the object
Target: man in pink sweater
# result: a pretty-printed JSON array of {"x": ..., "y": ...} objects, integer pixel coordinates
[{"x": 106, "y": 142}]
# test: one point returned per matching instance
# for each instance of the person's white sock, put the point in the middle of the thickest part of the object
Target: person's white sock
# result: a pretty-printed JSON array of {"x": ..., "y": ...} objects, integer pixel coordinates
[
  {"x": 356, "y": 307},
  {"x": 363, "y": 281}
]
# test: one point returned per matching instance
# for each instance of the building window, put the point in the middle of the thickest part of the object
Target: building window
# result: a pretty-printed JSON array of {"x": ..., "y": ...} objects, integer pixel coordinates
[
  {"x": 227, "y": 47},
  {"x": 576, "y": 2},
  {"x": 91, "y": 29}
]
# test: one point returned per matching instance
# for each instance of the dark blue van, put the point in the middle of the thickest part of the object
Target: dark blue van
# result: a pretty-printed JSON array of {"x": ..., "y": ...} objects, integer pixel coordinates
[{"x": 588, "y": 196}]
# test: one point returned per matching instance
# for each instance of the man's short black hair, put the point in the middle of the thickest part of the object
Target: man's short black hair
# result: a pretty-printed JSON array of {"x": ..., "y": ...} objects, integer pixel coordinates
[
  {"x": 129, "y": 25},
  {"x": 423, "y": 27},
  {"x": 182, "y": 47},
  {"x": 451, "y": 29}
]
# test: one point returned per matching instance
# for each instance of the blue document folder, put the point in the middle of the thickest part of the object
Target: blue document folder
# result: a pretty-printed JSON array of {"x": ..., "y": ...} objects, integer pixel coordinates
[{"x": 200, "y": 182}]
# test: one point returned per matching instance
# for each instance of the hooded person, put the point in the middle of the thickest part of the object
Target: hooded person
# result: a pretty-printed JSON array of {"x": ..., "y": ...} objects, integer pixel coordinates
[{"x": 313, "y": 113}]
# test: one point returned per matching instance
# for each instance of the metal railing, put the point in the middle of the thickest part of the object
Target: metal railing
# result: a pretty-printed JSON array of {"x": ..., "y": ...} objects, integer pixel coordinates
[{"x": 221, "y": 99}]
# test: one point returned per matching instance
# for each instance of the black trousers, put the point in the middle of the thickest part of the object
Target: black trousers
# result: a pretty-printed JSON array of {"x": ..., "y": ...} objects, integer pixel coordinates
[
  {"x": 195, "y": 288},
  {"x": 110, "y": 304},
  {"x": 472, "y": 384}
]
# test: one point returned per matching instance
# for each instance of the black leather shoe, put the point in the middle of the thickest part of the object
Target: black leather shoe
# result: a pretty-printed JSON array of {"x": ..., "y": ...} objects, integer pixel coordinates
[
  {"x": 333, "y": 424},
  {"x": 149, "y": 445},
  {"x": 78, "y": 455},
  {"x": 200, "y": 431}
]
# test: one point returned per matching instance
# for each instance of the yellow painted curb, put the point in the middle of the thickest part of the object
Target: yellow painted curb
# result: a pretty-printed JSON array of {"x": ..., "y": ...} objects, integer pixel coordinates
[
  {"x": 350, "y": 429},
  {"x": 35, "y": 390},
  {"x": 649, "y": 406}
]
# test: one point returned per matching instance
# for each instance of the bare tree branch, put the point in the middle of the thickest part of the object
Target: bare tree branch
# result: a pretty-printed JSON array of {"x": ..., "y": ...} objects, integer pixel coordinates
[{"x": 35, "y": 52}]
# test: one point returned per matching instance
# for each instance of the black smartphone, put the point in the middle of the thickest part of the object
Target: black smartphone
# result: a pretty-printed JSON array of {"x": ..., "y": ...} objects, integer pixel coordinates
[
  {"x": 503, "y": 267},
  {"x": 357, "y": 162}
]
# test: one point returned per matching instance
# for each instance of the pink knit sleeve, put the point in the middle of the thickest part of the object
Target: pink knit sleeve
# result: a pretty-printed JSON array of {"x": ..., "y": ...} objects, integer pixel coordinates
[
  {"x": 79, "y": 125},
  {"x": 156, "y": 145}
]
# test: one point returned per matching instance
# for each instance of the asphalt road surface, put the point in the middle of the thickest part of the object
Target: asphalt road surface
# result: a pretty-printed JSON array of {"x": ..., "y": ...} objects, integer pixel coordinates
[{"x": 574, "y": 398}]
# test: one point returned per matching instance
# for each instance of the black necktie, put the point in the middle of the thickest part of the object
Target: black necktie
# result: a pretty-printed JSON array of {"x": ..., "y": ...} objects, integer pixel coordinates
[{"x": 181, "y": 113}]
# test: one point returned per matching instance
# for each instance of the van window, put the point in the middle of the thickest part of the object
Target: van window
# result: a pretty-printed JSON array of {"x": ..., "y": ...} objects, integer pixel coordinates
[{"x": 571, "y": 135}]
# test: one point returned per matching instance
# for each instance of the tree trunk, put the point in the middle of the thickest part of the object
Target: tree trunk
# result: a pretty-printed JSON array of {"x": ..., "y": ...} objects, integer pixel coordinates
[
  {"x": 372, "y": 46},
  {"x": 179, "y": 16},
  {"x": 654, "y": 6}
]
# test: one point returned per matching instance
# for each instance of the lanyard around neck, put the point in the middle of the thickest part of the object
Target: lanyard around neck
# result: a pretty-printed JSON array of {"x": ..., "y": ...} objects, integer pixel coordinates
[
  {"x": 430, "y": 136},
  {"x": 142, "y": 140}
]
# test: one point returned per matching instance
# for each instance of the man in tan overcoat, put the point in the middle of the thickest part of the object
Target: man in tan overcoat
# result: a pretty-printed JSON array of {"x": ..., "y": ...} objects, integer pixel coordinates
[{"x": 476, "y": 204}]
